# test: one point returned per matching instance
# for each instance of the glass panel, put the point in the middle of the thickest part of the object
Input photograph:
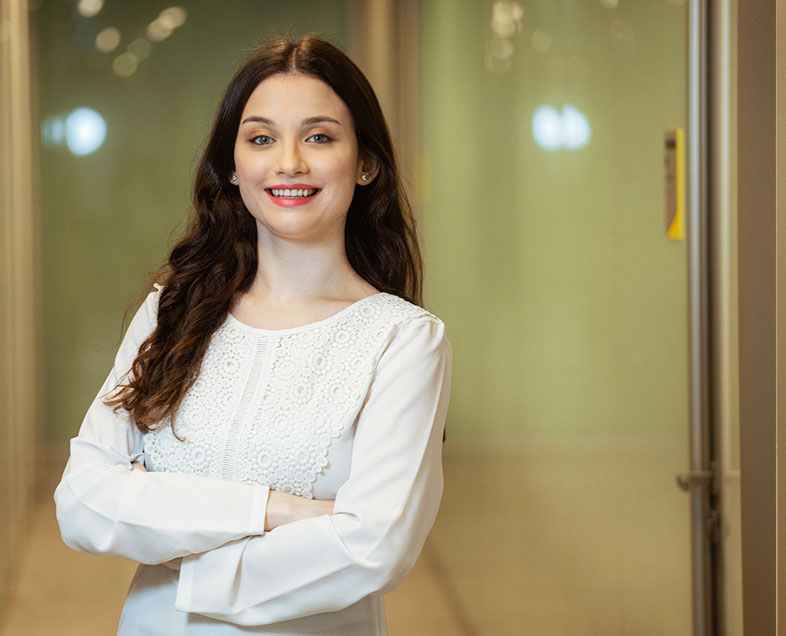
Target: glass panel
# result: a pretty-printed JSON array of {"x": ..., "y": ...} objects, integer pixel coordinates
[{"x": 547, "y": 255}]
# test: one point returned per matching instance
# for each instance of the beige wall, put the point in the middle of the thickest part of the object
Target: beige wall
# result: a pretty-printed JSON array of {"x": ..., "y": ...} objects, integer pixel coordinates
[{"x": 19, "y": 376}]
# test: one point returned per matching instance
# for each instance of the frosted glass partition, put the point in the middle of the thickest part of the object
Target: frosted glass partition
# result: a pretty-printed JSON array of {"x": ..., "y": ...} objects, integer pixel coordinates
[{"x": 543, "y": 199}]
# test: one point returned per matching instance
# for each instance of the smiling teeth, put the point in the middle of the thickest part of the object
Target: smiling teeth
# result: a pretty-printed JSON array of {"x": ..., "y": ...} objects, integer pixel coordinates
[{"x": 292, "y": 194}]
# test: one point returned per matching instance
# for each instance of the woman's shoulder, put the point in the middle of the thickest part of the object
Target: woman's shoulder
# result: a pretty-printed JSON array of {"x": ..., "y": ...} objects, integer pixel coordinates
[
  {"x": 146, "y": 316},
  {"x": 399, "y": 310},
  {"x": 387, "y": 317},
  {"x": 408, "y": 324},
  {"x": 148, "y": 311}
]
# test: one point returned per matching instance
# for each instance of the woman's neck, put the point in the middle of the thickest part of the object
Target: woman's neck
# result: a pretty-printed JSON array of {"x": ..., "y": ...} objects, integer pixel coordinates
[{"x": 291, "y": 272}]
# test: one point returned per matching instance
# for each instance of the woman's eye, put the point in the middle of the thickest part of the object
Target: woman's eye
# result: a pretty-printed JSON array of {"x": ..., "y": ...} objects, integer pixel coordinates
[
  {"x": 261, "y": 140},
  {"x": 319, "y": 138}
]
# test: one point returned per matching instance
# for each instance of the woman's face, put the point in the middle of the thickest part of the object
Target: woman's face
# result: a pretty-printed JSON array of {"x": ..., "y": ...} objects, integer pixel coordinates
[{"x": 296, "y": 158}]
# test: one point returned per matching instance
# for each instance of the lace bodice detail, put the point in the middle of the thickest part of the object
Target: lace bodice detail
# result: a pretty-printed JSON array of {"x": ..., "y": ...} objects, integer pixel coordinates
[{"x": 267, "y": 405}]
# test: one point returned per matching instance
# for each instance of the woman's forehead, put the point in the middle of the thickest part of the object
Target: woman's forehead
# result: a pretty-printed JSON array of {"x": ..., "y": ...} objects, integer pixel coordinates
[{"x": 293, "y": 97}]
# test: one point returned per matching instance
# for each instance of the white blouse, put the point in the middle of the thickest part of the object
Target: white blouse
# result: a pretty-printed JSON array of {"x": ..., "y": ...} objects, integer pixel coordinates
[{"x": 350, "y": 408}]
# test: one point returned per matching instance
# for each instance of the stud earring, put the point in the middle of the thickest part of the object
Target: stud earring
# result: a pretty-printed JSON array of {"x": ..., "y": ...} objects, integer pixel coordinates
[
  {"x": 364, "y": 177},
  {"x": 234, "y": 177}
]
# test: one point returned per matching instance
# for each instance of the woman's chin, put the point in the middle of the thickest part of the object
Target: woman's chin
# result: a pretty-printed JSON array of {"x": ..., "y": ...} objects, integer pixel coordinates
[{"x": 298, "y": 231}]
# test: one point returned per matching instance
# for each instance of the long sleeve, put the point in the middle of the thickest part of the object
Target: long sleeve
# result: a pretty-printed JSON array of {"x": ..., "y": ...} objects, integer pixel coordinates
[
  {"x": 105, "y": 506},
  {"x": 382, "y": 513}
]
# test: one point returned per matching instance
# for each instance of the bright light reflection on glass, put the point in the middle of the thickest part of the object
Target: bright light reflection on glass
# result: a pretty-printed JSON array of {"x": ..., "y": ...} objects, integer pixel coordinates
[
  {"x": 85, "y": 131},
  {"x": 89, "y": 8},
  {"x": 167, "y": 21},
  {"x": 125, "y": 65},
  {"x": 541, "y": 41},
  {"x": 108, "y": 39},
  {"x": 173, "y": 17},
  {"x": 547, "y": 128},
  {"x": 140, "y": 49},
  {"x": 553, "y": 130},
  {"x": 575, "y": 128},
  {"x": 157, "y": 31},
  {"x": 53, "y": 131}
]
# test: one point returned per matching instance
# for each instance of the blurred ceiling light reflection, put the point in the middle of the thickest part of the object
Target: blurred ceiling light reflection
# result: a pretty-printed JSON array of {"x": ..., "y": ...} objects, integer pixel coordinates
[
  {"x": 125, "y": 65},
  {"x": 85, "y": 131},
  {"x": 167, "y": 21},
  {"x": 553, "y": 130},
  {"x": 547, "y": 128},
  {"x": 173, "y": 17},
  {"x": 609, "y": 4},
  {"x": 82, "y": 132},
  {"x": 157, "y": 32},
  {"x": 140, "y": 49},
  {"x": 541, "y": 41},
  {"x": 506, "y": 16},
  {"x": 575, "y": 128},
  {"x": 501, "y": 48},
  {"x": 108, "y": 39},
  {"x": 89, "y": 8}
]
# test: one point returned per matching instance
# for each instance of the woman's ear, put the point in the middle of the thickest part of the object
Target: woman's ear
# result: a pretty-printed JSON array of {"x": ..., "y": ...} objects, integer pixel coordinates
[{"x": 368, "y": 169}]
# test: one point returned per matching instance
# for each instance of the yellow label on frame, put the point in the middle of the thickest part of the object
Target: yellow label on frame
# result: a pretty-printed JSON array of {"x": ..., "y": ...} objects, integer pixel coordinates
[{"x": 674, "y": 159}]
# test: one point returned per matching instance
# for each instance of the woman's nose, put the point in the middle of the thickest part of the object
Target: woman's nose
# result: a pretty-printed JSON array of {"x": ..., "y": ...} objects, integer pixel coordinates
[{"x": 290, "y": 159}]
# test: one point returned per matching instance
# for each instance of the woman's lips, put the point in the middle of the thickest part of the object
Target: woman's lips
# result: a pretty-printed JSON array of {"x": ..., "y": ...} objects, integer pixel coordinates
[{"x": 291, "y": 195}]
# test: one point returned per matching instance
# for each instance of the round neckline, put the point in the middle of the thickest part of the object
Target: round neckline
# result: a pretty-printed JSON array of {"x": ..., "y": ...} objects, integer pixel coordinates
[{"x": 308, "y": 325}]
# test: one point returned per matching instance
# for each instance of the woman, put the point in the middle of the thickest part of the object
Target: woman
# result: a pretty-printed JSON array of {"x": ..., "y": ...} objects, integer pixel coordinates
[{"x": 268, "y": 443}]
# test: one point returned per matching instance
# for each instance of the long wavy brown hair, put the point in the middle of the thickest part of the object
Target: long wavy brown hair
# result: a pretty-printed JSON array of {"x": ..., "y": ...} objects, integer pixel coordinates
[{"x": 216, "y": 260}]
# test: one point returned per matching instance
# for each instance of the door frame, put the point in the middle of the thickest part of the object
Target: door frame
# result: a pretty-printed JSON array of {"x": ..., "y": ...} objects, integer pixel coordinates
[{"x": 761, "y": 200}]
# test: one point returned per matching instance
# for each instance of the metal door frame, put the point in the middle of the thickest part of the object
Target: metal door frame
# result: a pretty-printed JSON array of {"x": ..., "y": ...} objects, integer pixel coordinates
[{"x": 701, "y": 480}]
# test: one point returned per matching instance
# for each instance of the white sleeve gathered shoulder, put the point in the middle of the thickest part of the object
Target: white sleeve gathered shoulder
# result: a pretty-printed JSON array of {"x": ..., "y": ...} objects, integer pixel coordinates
[
  {"x": 382, "y": 513},
  {"x": 106, "y": 507}
]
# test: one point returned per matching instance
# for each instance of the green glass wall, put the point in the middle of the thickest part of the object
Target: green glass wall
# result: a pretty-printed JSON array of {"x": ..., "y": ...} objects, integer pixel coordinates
[
  {"x": 566, "y": 301},
  {"x": 567, "y": 308}
]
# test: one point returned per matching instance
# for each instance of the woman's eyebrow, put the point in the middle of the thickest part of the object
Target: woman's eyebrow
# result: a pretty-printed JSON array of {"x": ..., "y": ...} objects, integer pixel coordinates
[
  {"x": 321, "y": 119},
  {"x": 260, "y": 120}
]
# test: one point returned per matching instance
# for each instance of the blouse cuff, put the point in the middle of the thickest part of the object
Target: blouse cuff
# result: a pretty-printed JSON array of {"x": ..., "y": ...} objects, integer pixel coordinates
[
  {"x": 259, "y": 508},
  {"x": 185, "y": 582}
]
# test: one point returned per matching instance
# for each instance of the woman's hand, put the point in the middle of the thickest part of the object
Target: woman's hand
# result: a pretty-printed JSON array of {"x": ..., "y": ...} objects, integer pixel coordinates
[{"x": 283, "y": 508}]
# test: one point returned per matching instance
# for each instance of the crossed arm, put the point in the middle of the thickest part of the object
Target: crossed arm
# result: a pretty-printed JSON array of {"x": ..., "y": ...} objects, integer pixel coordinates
[{"x": 282, "y": 508}]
